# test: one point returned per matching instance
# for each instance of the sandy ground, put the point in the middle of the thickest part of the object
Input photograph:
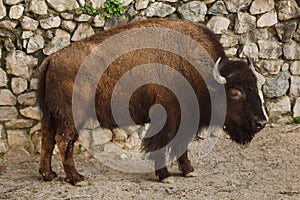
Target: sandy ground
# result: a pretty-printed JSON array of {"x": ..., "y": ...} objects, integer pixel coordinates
[{"x": 268, "y": 169}]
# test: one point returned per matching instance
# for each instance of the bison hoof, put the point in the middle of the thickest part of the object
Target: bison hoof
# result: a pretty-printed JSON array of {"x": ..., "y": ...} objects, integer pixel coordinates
[
  {"x": 48, "y": 175},
  {"x": 169, "y": 180},
  {"x": 74, "y": 179},
  {"x": 191, "y": 174}
]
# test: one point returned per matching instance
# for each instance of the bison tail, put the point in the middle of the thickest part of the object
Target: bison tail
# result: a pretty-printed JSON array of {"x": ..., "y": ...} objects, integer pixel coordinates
[{"x": 41, "y": 90}]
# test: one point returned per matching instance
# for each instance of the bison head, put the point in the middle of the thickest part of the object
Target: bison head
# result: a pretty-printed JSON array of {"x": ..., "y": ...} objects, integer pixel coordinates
[{"x": 245, "y": 115}]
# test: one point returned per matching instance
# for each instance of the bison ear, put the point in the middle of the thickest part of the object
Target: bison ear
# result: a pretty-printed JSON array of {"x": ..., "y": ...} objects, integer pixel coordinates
[{"x": 216, "y": 73}]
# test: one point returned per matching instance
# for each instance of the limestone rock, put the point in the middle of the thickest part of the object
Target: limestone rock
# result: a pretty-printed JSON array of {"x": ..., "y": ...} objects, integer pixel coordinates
[
  {"x": 286, "y": 30},
  {"x": 115, "y": 21},
  {"x": 244, "y": 23},
  {"x": 83, "y": 31},
  {"x": 34, "y": 83},
  {"x": 59, "y": 41},
  {"x": 229, "y": 39},
  {"x": 218, "y": 24},
  {"x": 3, "y": 78},
  {"x": 159, "y": 9},
  {"x": 31, "y": 112},
  {"x": 35, "y": 43},
  {"x": 18, "y": 85},
  {"x": 261, "y": 6},
  {"x": 279, "y": 106},
  {"x": 295, "y": 68},
  {"x": 82, "y": 18},
  {"x": 267, "y": 19},
  {"x": 291, "y": 50},
  {"x": 218, "y": 8},
  {"x": 97, "y": 22},
  {"x": 9, "y": 45},
  {"x": 296, "y": 109},
  {"x": 194, "y": 11},
  {"x": 8, "y": 113},
  {"x": 295, "y": 86},
  {"x": 16, "y": 12},
  {"x": 8, "y": 24},
  {"x": 2, "y": 10},
  {"x": 97, "y": 4},
  {"x": 101, "y": 136},
  {"x": 3, "y": 140},
  {"x": 51, "y": 22},
  {"x": 91, "y": 124},
  {"x": 20, "y": 64},
  {"x": 67, "y": 16},
  {"x": 231, "y": 52},
  {"x": 126, "y": 2},
  {"x": 29, "y": 24},
  {"x": 141, "y": 4},
  {"x": 296, "y": 35},
  {"x": 287, "y": 9},
  {"x": 26, "y": 35},
  {"x": 19, "y": 139},
  {"x": 19, "y": 123},
  {"x": 38, "y": 7},
  {"x": 235, "y": 6},
  {"x": 271, "y": 66},
  {"x": 12, "y": 2},
  {"x": 68, "y": 25},
  {"x": 119, "y": 135},
  {"x": 277, "y": 86},
  {"x": 269, "y": 50},
  {"x": 63, "y": 5},
  {"x": 7, "y": 98},
  {"x": 28, "y": 99},
  {"x": 249, "y": 50}
]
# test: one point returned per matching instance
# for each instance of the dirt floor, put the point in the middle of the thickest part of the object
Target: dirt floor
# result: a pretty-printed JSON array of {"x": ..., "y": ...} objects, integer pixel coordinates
[{"x": 268, "y": 169}]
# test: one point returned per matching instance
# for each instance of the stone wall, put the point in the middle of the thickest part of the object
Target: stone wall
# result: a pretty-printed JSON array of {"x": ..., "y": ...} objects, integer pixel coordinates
[{"x": 266, "y": 30}]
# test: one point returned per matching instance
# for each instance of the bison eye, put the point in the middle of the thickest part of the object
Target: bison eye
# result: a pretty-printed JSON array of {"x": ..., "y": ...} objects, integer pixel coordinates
[{"x": 235, "y": 93}]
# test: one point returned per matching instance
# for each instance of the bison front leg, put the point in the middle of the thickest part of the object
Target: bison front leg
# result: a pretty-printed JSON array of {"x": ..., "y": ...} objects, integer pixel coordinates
[
  {"x": 48, "y": 142},
  {"x": 185, "y": 165},
  {"x": 65, "y": 141}
]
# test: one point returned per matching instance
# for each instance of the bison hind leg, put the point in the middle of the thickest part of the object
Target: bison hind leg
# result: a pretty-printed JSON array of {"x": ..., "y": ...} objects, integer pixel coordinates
[{"x": 185, "y": 166}]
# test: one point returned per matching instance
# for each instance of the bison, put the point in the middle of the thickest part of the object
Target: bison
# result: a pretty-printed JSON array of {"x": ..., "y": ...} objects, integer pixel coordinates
[{"x": 244, "y": 115}]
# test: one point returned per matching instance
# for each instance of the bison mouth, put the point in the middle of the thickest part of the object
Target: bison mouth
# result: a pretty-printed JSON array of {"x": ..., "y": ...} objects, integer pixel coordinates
[{"x": 239, "y": 136}]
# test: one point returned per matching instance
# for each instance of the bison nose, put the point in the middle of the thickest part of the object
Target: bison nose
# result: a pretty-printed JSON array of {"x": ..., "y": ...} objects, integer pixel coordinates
[{"x": 259, "y": 124}]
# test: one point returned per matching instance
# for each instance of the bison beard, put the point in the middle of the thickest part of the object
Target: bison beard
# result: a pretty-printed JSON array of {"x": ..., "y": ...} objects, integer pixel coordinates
[{"x": 56, "y": 84}]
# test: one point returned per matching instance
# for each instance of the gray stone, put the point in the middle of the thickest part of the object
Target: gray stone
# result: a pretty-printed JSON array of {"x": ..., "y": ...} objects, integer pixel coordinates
[
  {"x": 34, "y": 83},
  {"x": 83, "y": 31},
  {"x": 2, "y": 10},
  {"x": 49, "y": 35},
  {"x": 115, "y": 21},
  {"x": 171, "y": 1},
  {"x": 9, "y": 45},
  {"x": 19, "y": 123},
  {"x": 97, "y": 4},
  {"x": 36, "y": 128},
  {"x": 285, "y": 67},
  {"x": 271, "y": 66},
  {"x": 16, "y": 12},
  {"x": 12, "y": 2},
  {"x": 277, "y": 86},
  {"x": 20, "y": 64},
  {"x": 249, "y": 50},
  {"x": 296, "y": 109},
  {"x": 262, "y": 34},
  {"x": 38, "y": 7},
  {"x": 97, "y": 22},
  {"x": 29, "y": 24},
  {"x": 67, "y": 16},
  {"x": 101, "y": 136},
  {"x": 159, "y": 9},
  {"x": 278, "y": 106},
  {"x": 296, "y": 35},
  {"x": 244, "y": 23},
  {"x": 218, "y": 8},
  {"x": 8, "y": 24},
  {"x": 287, "y": 9},
  {"x": 28, "y": 99},
  {"x": 218, "y": 24},
  {"x": 82, "y": 18},
  {"x": 60, "y": 40},
  {"x": 51, "y": 22},
  {"x": 91, "y": 124},
  {"x": 295, "y": 68},
  {"x": 231, "y": 52},
  {"x": 8, "y": 113},
  {"x": 63, "y": 5},
  {"x": 19, "y": 139},
  {"x": 132, "y": 129},
  {"x": 295, "y": 86},
  {"x": 126, "y": 2},
  {"x": 133, "y": 142},
  {"x": 18, "y": 85},
  {"x": 68, "y": 25},
  {"x": 119, "y": 135},
  {"x": 27, "y": 35},
  {"x": 286, "y": 30},
  {"x": 141, "y": 4},
  {"x": 194, "y": 11},
  {"x": 31, "y": 112},
  {"x": 35, "y": 43},
  {"x": 3, "y": 78},
  {"x": 235, "y": 6},
  {"x": 261, "y": 6},
  {"x": 3, "y": 140},
  {"x": 269, "y": 50},
  {"x": 291, "y": 50},
  {"x": 267, "y": 19},
  {"x": 229, "y": 39},
  {"x": 7, "y": 98}
]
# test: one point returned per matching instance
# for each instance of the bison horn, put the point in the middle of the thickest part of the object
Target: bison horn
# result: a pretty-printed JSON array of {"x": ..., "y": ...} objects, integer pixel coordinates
[{"x": 217, "y": 76}]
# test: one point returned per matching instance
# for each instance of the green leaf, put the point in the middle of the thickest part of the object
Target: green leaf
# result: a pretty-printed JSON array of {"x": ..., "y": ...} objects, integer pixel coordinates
[{"x": 297, "y": 119}]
